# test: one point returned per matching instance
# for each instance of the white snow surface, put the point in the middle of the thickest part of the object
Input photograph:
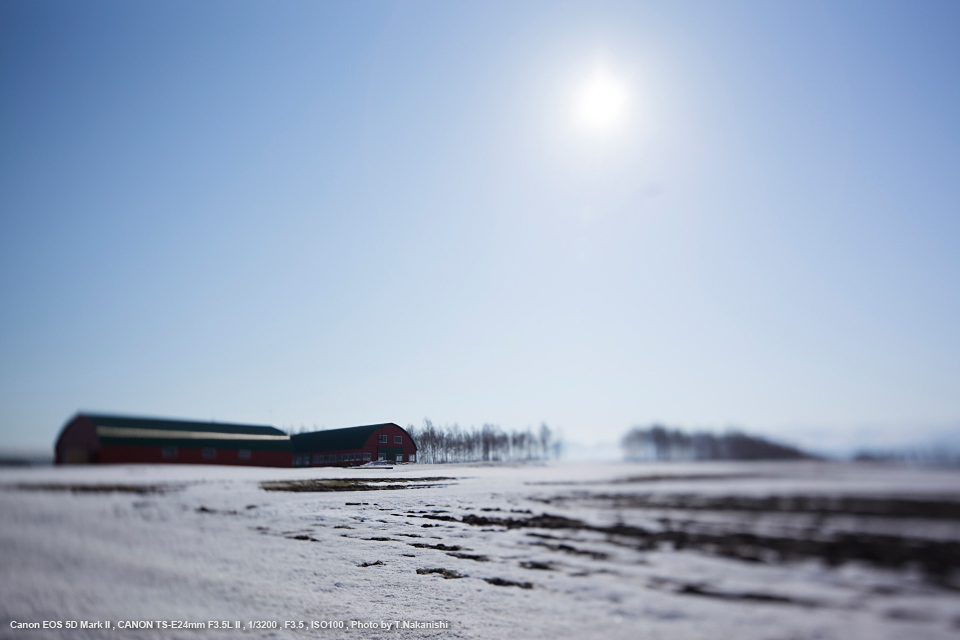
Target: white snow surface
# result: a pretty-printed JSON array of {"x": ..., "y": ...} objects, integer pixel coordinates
[{"x": 215, "y": 545}]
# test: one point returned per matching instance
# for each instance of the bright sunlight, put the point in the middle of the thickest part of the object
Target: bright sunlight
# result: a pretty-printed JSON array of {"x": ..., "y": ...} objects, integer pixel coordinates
[{"x": 601, "y": 103}]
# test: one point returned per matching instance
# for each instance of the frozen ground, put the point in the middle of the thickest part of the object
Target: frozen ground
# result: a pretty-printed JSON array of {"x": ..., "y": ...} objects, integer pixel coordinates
[{"x": 712, "y": 551}]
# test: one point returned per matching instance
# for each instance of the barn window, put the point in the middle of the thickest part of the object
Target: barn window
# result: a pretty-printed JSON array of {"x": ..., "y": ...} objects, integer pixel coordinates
[
  {"x": 366, "y": 456},
  {"x": 397, "y": 439},
  {"x": 383, "y": 438},
  {"x": 412, "y": 457},
  {"x": 209, "y": 453},
  {"x": 244, "y": 454},
  {"x": 382, "y": 456},
  {"x": 169, "y": 452}
]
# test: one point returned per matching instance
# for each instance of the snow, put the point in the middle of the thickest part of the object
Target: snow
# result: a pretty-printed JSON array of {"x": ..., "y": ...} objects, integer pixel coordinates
[{"x": 212, "y": 544}]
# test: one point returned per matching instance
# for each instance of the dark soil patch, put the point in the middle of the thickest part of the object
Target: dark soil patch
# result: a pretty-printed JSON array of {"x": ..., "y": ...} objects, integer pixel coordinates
[
  {"x": 442, "y": 518},
  {"x": 541, "y": 566},
  {"x": 223, "y": 512},
  {"x": 351, "y": 484},
  {"x": 743, "y": 596},
  {"x": 565, "y": 548},
  {"x": 654, "y": 478},
  {"x": 446, "y": 573},
  {"x": 689, "y": 477},
  {"x": 438, "y": 547},
  {"x": 931, "y": 509},
  {"x": 544, "y": 521},
  {"x": 378, "y": 563},
  {"x": 470, "y": 556},
  {"x": 139, "y": 489},
  {"x": 696, "y": 590},
  {"x": 500, "y": 582},
  {"x": 938, "y": 558},
  {"x": 302, "y": 537}
]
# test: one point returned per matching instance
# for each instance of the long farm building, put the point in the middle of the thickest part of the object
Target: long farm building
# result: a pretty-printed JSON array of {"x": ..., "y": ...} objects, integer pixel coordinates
[{"x": 95, "y": 438}]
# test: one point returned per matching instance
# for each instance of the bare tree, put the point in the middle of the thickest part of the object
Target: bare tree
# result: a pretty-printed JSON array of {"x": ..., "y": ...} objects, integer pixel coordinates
[{"x": 452, "y": 443}]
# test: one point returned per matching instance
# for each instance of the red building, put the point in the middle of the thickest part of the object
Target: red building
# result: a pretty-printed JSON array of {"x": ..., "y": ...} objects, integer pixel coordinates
[
  {"x": 354, "y": 445},
  {"x": 95, "y": 438}
]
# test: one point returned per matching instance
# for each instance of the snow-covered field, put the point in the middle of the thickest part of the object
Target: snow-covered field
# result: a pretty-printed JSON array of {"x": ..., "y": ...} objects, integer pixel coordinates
[{"x": 679, "y": 551}]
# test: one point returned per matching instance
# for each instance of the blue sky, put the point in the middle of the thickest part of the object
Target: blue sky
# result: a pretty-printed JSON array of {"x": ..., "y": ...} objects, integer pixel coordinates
[{"x": 330, "y": 214}]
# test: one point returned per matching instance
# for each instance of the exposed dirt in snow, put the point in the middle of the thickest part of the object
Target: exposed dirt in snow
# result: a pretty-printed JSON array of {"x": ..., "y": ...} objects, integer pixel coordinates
[
  {"x": 352, "y": 484},
  {"x": 939, "y": 559},
  {"x": 443, "y": 573},
  {"x": 500, "y": 582},
  {"x": 139, "y": 489}
]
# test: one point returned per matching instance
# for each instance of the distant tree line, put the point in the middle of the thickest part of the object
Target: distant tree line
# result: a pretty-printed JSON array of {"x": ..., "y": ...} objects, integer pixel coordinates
[
  {"x": 943, "y": 456},
  {"x": 437, "y": 444},
  {"x": 660, "y": 443}
]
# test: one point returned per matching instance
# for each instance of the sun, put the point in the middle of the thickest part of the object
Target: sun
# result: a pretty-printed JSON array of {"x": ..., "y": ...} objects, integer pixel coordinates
[{"x": 601, "y": 103}]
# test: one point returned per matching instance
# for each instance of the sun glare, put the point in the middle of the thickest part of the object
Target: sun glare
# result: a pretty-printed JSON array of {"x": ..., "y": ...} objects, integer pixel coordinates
[{"x": 601, "y": 103}]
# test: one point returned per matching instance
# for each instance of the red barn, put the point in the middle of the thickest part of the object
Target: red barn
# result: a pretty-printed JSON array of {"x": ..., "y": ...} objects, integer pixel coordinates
[
  {"x": 92, "y": 438},
  {"x": 354, "y": 445},
  {"x": 95, "y": 438}
]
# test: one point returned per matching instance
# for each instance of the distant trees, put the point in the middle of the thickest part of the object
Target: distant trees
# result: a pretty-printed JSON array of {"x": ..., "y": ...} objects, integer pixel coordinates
[
  {"x": 944, "y": 455},
  {"x": 452, "y": 443},
  {"x": 660, "y": 443}
]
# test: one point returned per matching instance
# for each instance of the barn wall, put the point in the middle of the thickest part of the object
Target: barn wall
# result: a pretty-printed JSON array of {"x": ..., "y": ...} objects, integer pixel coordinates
[
  {"x": 391, "y": 448},
  {"x": 78, "y": 443},
  {"x": 192, "y": 455},
  {"x": 321, "y": 458}
]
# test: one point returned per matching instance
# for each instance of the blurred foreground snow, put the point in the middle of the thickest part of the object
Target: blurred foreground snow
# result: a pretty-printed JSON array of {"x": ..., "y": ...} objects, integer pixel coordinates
[{"x": 564, "y": 550}]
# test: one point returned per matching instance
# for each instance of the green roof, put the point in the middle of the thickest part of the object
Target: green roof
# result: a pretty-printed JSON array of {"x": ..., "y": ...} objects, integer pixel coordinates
[
  {"x": 127, "y": 422},
  {"x": 185, "y": 433},
  {"x": 337, "y": 439}
]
